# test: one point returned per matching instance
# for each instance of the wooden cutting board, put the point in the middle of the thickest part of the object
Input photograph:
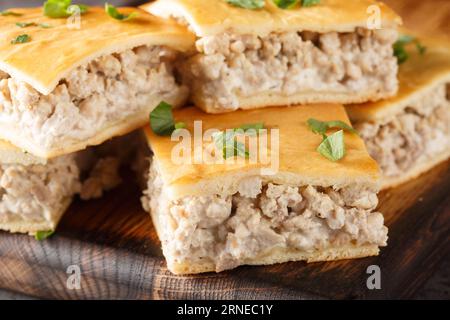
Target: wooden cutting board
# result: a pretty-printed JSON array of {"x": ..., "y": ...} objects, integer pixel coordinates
[{"x": 113, "y": 242}]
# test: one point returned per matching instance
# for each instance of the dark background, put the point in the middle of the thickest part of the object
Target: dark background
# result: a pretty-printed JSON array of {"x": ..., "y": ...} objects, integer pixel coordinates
[{"x": 439, "y": 285}]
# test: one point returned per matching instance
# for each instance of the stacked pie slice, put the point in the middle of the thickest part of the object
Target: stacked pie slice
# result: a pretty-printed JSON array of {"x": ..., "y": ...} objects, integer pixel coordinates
[
  {"x": 66, "y": 85},
  {"x": 290, "y": 70},
  {"x": 253, "y": 158},
  {"x": 410, "y": 133}
]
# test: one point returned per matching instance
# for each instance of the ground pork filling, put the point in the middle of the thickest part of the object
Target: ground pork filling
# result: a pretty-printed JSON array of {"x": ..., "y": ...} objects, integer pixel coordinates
[
  {"x": 230, "y": 66},
  {"x": 419, "y": 133},
  {"x": 230, "y": 230},
  {"x": 34, "y": 192},
  {"x": 106, "y": 90}
]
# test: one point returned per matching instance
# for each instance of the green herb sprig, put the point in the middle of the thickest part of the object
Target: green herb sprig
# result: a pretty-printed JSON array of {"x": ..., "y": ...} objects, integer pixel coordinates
[
  {"x": 332, "y": 147},
  {"x": 283, "y": 4},
  {"x": 400, "y": 47},
  {"x": 33, "y": 24},
  {"x": 26, "y": 24},
  {"x": 161, "y": 120},
  {"x": 42, "y": 235},
  {"x": 23, "y": 38},
  {"x": 247, "y": 4},
  {"x": 310, "y": 3},
  {"x": 226, "y": 140},
  {"x": 10, "y": 13},
  {"x": 62, "y": 8},
  {"x": 115, "y": 14}
]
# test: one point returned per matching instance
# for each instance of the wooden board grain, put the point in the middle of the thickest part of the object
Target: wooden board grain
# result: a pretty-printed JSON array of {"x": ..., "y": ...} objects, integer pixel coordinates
[{"x": 113, "y": 242}]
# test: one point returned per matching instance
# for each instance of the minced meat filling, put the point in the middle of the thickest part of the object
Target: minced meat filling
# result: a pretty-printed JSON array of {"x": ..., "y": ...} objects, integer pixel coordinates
[
  {"x": 105, "y": 90},
  {"x": 228, "y": 230},
  {"x": 33, "y": 192},
  {"x": 421, "y": 131},
  {"x": 229, "y": 66}
]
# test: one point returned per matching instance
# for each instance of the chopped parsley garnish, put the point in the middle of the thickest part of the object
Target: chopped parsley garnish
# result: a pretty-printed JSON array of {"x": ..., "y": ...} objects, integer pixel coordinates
[
  {"x": 227, "y": 140},
  {"x": 42, "y": 235},
  {"x": 321, "y": 127},
  {"x": 309, "y": 3},
  {"x": 332, "y": 147},
  {"x": 161, "y": 120},
  {"x": 45, "y": 26},
  {"x": 62, "y": 8},
  {"x": 26, "y": 24},
  {"x": 33, "y": 24},
  {"x": 400, "y": 47},
  {"x": 283, "y": 4},
  {"x": 115, "y": 14},
  {"x": 10, "y": 13},
  {"x": 21, "y": 39},
  {"x": 247, "y": 4}
]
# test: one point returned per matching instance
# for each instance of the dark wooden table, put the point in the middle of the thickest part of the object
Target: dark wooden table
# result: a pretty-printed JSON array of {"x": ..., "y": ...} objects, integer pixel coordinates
[{"x": 113, "y": 242}]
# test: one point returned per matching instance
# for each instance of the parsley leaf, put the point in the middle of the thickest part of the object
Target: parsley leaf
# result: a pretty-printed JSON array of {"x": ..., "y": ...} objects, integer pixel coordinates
[
  {"x": 26, "y": 24},
  {"x": 321, "y": 127},
  {"x": 333, "y": 147},
  {"x": 10, "y": 13},
  {"x": 21, "y": 39},
  {"x": 309, "y": 3},
  {"x": 180, "y": 125},
  {"x": 247, "y": 4},
  {"x": 400, "y": 50},
  {"x": 62, "y": 8},
  {"x": 115, "y": 14},
  {"x": 42, "y": 235},
  {"x": 285, "y": 4},
  {"x": 45, "y": 26},
  {"x": 161, "y": 120},
  {"x": 255, "y": 126},
  {"x": 228, "y": 143}
]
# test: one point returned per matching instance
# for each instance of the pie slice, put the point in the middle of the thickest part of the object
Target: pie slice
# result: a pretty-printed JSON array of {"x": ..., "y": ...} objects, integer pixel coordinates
[
  {"x": 254, "y": 58},
  {"x": 68, "y": 84},
  {"x": 410, "y": 133},
  {"x": 36, "y": 192},
  {"x": 214, "y": 216}
]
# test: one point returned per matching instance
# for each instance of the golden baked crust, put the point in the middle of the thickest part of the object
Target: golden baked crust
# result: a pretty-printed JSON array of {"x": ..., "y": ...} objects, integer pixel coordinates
[
  {"x": 281, "y": 256},
  {"x": 419, "y": 75},
  {"x": 265, "y": 99},
  {"x": 216, "y": 16},
  {"x": 52, "y": 53},
  {"x": 299, "y": 162}
]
